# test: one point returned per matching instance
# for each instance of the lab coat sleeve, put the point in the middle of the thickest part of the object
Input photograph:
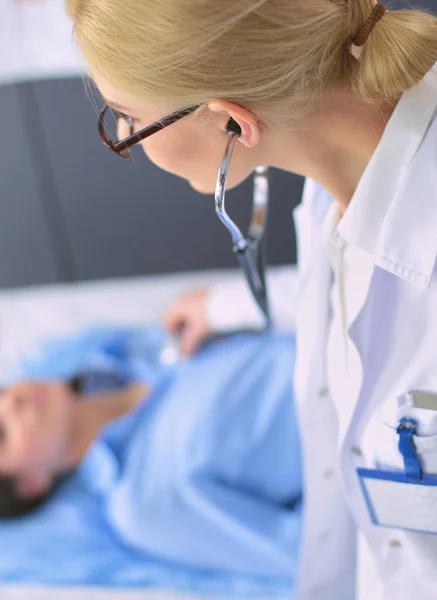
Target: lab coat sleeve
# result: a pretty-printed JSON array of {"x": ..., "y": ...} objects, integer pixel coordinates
[{"x": 230, "y": 304}]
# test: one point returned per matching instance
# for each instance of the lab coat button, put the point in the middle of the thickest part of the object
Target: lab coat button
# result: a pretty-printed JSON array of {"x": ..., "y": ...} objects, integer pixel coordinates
[
  {"x": 328, "y": 474},
  {"x": 324, "y": 536},
  {"x": 323, "y": 392},
  {"x": 356, "y": 451},
  {"x": 316, "y": 590},
  {"x": 395, "y": 544},
  {"x": 337, "y": 240}
]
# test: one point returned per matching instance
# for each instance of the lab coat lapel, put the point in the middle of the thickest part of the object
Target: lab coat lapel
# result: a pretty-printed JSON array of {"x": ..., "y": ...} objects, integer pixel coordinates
[
  {"x": 383, "y": 344},
  {"x": 313, "y": 310},
  {"x": 404, "y": 261},
  {"x": 357, "y": 334},
  {"x": 393, "y": 219}
]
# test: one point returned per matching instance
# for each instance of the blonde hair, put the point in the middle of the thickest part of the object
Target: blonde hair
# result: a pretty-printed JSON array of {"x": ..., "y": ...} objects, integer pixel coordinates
[{"x": 276, "y": 57}]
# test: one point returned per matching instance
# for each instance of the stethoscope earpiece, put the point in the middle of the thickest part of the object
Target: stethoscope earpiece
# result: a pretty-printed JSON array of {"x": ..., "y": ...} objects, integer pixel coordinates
[
  {"x": 250, "y": 250},
  {"x": 233, "y": 127}
]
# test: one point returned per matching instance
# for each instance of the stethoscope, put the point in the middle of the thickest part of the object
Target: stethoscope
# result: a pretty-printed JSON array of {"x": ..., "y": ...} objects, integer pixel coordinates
[{"x": 250, "y": 250}]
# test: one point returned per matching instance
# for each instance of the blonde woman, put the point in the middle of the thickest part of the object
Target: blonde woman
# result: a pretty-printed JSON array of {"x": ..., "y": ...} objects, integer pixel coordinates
[{"x": 343, "y": 92}]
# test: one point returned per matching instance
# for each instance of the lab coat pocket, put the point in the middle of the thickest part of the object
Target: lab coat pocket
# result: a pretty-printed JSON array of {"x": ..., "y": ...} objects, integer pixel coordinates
[{"x": 399, "y": 482}]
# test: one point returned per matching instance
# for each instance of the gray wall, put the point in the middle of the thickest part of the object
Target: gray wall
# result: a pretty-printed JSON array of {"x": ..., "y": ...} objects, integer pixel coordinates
[{"x": 69, "y": 210}]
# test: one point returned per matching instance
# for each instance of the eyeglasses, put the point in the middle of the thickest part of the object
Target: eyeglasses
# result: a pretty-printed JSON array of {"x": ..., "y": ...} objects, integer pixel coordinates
[{"x": 122, "y": 147}]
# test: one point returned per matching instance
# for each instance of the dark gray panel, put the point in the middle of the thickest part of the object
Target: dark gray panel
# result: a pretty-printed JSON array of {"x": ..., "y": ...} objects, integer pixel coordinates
[
  {"x": 128, "y": 217},
  {"x": 37, "y": 145},
  {"x": 26, "y": 254}
]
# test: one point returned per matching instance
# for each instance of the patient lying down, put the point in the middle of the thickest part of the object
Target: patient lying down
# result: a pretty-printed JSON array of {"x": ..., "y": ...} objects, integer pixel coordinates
[
  {"x": 201, "y": 459},
  {"x": 45, "y": 431}
]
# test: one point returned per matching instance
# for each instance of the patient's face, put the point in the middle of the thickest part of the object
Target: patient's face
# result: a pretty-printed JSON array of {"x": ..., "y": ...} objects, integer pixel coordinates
[
  {"x": 191, "y": 148},
  {"x": 35, "y": 421}
]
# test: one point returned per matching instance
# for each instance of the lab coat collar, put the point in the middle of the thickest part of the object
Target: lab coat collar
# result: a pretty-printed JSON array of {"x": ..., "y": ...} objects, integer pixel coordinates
[
  {"x": 330, "y": 225},
  {"x": 393, "y": 214}
]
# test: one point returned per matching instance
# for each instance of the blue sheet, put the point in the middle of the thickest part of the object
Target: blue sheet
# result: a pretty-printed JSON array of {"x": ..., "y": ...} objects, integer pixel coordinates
[{"x": 198, "y": 489}]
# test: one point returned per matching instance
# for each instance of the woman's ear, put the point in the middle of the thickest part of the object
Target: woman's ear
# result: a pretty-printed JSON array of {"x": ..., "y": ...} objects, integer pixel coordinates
[
  {"x": 248, "y": 122},
  {"x": 33, "y": 485}
]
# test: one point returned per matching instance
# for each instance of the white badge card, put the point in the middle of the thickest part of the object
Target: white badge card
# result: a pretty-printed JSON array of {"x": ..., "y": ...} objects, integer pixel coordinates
[
  {"x": 406, "y": 499},
  {"x": 395, "y": 501}
]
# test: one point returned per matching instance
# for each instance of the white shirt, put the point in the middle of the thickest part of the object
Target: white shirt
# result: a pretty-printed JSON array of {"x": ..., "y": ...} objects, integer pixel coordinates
[
  {"x": 343, "y": 362},
  {"x": 348, "y": 262},
  {"x": 391, "y": 323}
]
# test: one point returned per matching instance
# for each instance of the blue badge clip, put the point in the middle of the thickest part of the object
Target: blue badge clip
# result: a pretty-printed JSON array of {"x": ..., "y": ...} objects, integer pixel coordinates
[{"x": 406, "y": 429}]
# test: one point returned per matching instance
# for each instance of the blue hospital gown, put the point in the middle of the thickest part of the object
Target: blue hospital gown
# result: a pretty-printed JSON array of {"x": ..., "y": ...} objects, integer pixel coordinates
[{"x": 206, "y": 472}]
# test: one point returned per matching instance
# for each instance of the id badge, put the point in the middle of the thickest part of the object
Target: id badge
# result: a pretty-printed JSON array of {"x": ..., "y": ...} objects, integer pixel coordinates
[{"x": 406, "y": 499}]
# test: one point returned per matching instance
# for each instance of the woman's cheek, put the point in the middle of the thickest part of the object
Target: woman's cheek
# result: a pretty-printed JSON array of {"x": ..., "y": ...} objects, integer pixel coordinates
[
  {"x": 202, "y": 187},
  {"x": 169, "y": 156}
]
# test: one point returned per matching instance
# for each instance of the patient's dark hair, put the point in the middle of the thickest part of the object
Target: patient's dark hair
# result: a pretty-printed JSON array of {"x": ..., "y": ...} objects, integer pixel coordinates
[{"x": 12, "y": 505}]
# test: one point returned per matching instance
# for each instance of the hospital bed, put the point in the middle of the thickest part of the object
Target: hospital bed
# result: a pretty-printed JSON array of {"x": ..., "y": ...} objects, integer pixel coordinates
[
  {"x": 45, "y": 593},
  {"x": 28, "y": 316}
]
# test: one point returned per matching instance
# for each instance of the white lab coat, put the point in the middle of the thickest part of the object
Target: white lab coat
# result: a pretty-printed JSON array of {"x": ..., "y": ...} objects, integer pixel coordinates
[{"x": 394, "y": 332}]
